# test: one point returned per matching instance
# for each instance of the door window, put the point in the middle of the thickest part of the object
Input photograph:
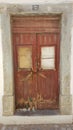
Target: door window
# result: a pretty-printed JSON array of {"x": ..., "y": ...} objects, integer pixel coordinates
[
  {"x": 48, "y": 57},
  {"x": 25, "y": 57}
]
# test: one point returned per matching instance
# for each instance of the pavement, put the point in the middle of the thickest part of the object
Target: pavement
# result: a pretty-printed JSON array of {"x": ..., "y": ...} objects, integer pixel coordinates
[{"x": 37, "y": 127}]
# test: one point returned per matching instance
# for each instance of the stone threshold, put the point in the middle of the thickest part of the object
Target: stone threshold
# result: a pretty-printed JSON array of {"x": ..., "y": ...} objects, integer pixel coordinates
[
  {"x": 33, "y": 112},
  {"x": 21, "y": 120}
]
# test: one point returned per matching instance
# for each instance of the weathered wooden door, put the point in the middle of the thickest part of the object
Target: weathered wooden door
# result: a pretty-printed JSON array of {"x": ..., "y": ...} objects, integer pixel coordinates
[
  {"x": 48, "y": 70},
  {"x": 36, "y": 62}
]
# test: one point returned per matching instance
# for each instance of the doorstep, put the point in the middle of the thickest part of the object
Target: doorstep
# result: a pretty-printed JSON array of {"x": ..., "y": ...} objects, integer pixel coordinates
[{"x": 20, "y": 120}]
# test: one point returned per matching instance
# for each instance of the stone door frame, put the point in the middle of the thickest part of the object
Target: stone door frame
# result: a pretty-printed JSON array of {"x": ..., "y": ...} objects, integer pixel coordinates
[{"x": 65, "y": 10}]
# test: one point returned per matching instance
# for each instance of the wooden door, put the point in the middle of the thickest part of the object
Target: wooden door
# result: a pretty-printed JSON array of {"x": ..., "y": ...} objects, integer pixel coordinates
[
  {"x": 48, "y": 70},
  {"x": 36, "y": 51},
  {"x": 25, "y": 70}
]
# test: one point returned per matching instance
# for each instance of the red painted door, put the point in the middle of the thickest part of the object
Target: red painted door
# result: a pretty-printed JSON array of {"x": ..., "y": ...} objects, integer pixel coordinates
[
  {"x": 36, "y": 62},
  {"x": 25, "y": 69},
  {"x": 48, "y": 70}
]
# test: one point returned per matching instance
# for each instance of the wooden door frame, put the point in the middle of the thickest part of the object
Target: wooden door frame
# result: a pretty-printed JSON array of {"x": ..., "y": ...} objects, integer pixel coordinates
[{"x": 65, "y": 98}]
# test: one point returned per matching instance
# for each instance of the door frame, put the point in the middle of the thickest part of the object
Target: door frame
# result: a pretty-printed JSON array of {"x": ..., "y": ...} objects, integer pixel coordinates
[{"x": 65, "y": 97}]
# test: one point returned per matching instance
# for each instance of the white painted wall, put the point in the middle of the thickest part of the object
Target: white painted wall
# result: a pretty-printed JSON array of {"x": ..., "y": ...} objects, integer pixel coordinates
[{"x": 1, "y": 69}]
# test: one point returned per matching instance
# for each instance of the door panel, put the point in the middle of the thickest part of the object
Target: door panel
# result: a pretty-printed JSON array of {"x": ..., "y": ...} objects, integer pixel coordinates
[
  {"x": 25, "y": 66},
  {"x": 36, "y": 24},
  {"x": 48, "y": 64}
]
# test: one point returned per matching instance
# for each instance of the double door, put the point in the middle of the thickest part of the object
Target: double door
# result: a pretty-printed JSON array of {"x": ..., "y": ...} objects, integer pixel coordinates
[{"x": 36, "y": 70}]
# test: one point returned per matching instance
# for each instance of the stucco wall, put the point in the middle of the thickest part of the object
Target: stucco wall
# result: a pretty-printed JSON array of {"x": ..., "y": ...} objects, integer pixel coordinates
[{"x": 35, "y": 1}]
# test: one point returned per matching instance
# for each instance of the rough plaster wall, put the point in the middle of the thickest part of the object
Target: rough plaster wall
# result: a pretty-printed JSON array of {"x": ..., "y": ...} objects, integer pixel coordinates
[
  {"x": 35, "y": 1},
  {"x": 1, "y": 70}
]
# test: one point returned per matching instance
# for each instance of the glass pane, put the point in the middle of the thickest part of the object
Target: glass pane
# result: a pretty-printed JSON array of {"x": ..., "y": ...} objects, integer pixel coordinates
[
  {"x": 48, "y": 64},
  {"x": 25, "y": 57},
  {"x": 48, "y": 52}
]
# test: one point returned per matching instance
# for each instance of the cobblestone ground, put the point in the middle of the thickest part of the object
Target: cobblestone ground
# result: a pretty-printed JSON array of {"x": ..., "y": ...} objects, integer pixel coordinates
[{"x": 37, "y": 127}]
